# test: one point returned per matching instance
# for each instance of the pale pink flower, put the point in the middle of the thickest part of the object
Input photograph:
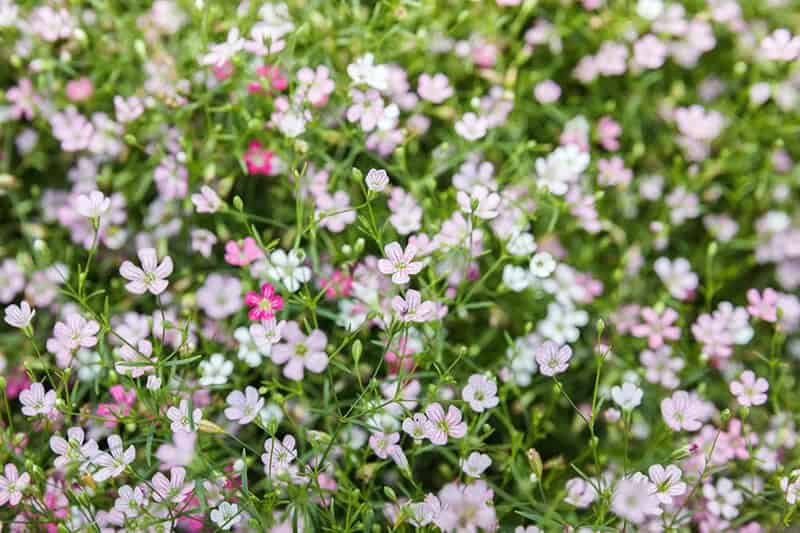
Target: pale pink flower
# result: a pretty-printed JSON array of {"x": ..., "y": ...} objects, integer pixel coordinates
[
  {"x": 440, "y": 426},
  {"x": 112, "y": 463},
  {"x": 635, "y": 499},
  {"x": 434, "y": 88},
  {"x": 475, "y": 464},
  {"x": 480, "y": 393},
  {"x": 480, "y": 202},
  {"x": 243, "y": 408},
  {"x": 299, "y": 352},
  {"x": 750, "y": 390},
  {"x": 19, "y": 316},
  {"x": 92, "y": 205},
  {"x": 552, "y": 358},
  {"x": 207, "y": 200},
  {"x": 175, "y": 489},
  {"x": 12, "y": 485},
  {"x": 183, "y": 420},
  {"x": 400, "y": 264},
  {"x": 764, "y": 305},
  {"x": 377, "y": 180},
  {"x": 657, "y": 327},
  {"x": 681, "y": 412},
  {"x": 412, "y": 308},
  {"x": 151, "y": 277},
  {"x": 667, "y": 481}
]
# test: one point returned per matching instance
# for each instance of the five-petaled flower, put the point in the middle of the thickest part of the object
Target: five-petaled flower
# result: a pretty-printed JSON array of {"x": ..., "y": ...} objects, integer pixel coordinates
[
  {"x": 151, "y": 277},
  {"x": 400, "y": 264}
]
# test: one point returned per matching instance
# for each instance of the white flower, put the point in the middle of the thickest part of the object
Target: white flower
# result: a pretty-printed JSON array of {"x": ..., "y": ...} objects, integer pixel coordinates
[
  {"x": 181, "y": 419},
  {"x": 521, "y": 244},
  {"x": 249, "y": 351},
  {"x": 628, "y": 397},
  {"x": 266, "y": 334},
  {"x": 376, "y": 180},
  {"x": 153, "y": 383},
  {"x": 113, "y": 463},
  {"x": 72, "y": 450},
  {"x": 36, "y": 402},
  {"x": 667, "y": 481},
  {"x": 243, "y": 408},
  {"x": 516, "y": 278},
  {"x": 552, "y": 358},
  {"x": 472, "y": 127},
  {"x": 562, "y": 167},
  {"x": 287, "y": 268},
  {"x": 480, "y": 202},
  {"x": 207, "y": 200},
  {"x": 226, "y": 515},
  {"x": 475, "y": 464},
  {"x": 151, "y": 277},
  {"x": 88, "y": 363},
  {"x": 480, "y": 393},
  {"x": 92, "y": 205},
  {"x": 542, "y": 265},
  {"x": 365, "y": 71},
  {"x": 19, "y": 316},
  {"x": 215, "y": 371},
  {"x": 221, "y": 53}
]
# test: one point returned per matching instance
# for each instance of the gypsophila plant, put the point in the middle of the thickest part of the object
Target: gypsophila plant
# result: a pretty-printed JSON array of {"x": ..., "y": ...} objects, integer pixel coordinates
[{"x": 396, "y": 265}]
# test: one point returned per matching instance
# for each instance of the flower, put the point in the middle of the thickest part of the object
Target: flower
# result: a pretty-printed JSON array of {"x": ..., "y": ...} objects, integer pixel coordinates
[
  {"x": 377, "y": 180},
  {"x": 151, "y": 277},
  {"x": 475, "y": 464},
  {"x": 215, "y": 371},
  {"x": 243, "y": 408},
  {"x": 412, "y": 308},
  {"x": 400, "y": 264},
  {"x": 35, "y": 401},
  {"x": 439, "y": 426},
  {"x": 258, "y": 159},
  {"x": 764, "y": 305},
  {"x": 73, "y": 450},
  {"x": 480, "y": 202},
  {"x": 480, "y": 393},
  {"x": 542, "y": 265},
  {"x": 667, "y": 481},
  {"x": 681, "y": 412},
  {"x": 723, "y": 499},
  {"x": 175, "y": 489},
  {"x": 12, "y": 485},
  {"x": 434, "y": 88},
  {"x": 415, "y": 426},
  {"x": 181, "y": 420},
  {"x": 264, "y": 304},
  {"x": 287, "y": 268},
  {"x": 20, "y": 316},
  {"x": 136, "y": 362},
  {"x": 92, "y": 205},
  {"x": 299, "y": 351},
  {"x": 634, "y": 499},
  {"x": 472, "y": 127},
  {"x": 749, "y": 390},
  {"x": 266, "y": 334},
  {"x": 221, "y": 53},
  {"x": 365, "y": 71},
  {"x": 552, "y": 358},
  {"x": 628, "y": 397},
  {"x": 112, "y": 463},
  {"x": 226, "y": 515},
  {"x": 220, "y": 296},
  {"x": 207, "y": 200},
  {"x": 279, "y": 457},
  {"x": 657, "y": 327},
  {"x": 244, "y": 253},
  {"x": 677, "y": 275}
]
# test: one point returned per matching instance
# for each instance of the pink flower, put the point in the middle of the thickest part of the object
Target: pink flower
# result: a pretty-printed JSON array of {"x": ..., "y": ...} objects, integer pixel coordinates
[
  {"x": 263, "y": 304},
  {"x": 764, "y": 305},
  {"x": 35, "y": 401},
  {"x": 434, "y": 88},
  {"x": 681, "y": 412},
  {"x": 271, "y": 79},
  {"x": 242, "y": 253},
  {"x": 340, "y": 285},
  {"x": 300, "y": 352},
  {"x": 400, "y": 264},
  {"x": 76, "y": 332},
  {"x": 552, "y": 358},
  {"x": 175, "y": 489},
  {"x": 657, "y": 328},
  {"x": 750, "y": 390},
  {"x": 258, "y": 159},
  {"x": 547, "y": 92},
  {"x": 151, "y": 277},
  {"x": 243, "y": 407},
  {"x": 12, "y": 485},
  {"x": 439, "y": 426},
  {"x": 24, "y": 99},
  {"x": 80, "y": 89}
]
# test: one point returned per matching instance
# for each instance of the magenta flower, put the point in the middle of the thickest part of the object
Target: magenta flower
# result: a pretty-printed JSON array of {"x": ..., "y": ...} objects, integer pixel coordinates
[
  {"x": 750, "y": 390},
  {"x": 440, "y": 426},
  {"x": 263, "y": 304},
  {"x": 299, "y": 352},
  {"x": 657, "y": 328},
  {"x": 764, "y": 305},
  {"x": 258, "y": 159},
  {"x": 400, "y": 264}
]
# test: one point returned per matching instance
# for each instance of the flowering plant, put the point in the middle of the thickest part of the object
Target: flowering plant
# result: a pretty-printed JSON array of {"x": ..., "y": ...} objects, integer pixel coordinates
[{"x": 381, "y": 266}]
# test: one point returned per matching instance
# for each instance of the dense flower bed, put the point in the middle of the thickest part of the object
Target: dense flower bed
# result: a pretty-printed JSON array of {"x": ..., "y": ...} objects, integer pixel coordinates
[{"x": 381, "y": 266}]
